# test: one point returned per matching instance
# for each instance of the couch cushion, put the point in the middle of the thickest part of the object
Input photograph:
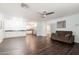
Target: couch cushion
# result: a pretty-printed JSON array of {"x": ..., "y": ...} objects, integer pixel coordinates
[
  {"x": 67, "y": 35},
  {"x": 63, "y": 33}
]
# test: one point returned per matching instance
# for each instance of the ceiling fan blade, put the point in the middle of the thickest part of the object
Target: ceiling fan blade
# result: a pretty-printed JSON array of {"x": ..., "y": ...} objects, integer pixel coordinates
[
  {"x": 44, "y": 14},
  {"x": 50, "y": 13}
]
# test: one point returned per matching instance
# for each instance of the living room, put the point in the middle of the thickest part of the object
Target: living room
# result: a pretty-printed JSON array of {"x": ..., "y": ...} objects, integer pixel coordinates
[{"x": 32, "y": 28}]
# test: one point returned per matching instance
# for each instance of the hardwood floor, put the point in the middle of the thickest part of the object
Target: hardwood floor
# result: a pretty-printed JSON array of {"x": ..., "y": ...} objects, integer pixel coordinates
[{"x": 32, "y": 45}]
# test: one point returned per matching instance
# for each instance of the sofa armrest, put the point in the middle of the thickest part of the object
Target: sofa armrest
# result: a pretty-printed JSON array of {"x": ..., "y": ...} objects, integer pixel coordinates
[
  {"x": 69, "y": 39},
  {"x": 53, "y": 36},
  {"x": 72, "y": 38}
]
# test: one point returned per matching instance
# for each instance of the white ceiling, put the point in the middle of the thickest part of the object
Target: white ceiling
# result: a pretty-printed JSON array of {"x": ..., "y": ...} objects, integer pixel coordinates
[{"x": 31, "y": 13}]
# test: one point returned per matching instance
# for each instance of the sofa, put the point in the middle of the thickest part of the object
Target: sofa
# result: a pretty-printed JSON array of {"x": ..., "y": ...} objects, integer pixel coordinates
[{"x": 63, "y": 36}]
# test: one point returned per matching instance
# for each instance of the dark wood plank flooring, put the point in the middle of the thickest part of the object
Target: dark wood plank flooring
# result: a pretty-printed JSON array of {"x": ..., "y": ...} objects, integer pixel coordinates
[{"x": 32, "y": 45}]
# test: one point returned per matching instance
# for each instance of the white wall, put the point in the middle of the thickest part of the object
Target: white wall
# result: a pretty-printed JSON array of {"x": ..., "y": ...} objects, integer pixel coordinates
[
  {"x": 14, "y": 23},
  {"x": 1, "y": 26},
  {"x": 14, "y": 34},
  {"x": 72, "y": 24},
  {"x": 41, "y": 28}
]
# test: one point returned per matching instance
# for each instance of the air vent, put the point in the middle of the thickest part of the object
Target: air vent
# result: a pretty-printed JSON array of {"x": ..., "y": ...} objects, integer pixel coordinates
[{"x": 24, "y": 5}]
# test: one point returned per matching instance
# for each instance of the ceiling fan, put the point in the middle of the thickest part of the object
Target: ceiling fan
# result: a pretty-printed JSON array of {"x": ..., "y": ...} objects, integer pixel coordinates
[
  {"x": 45, "y": 13},
  {"x": 24, "y": 5}
]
